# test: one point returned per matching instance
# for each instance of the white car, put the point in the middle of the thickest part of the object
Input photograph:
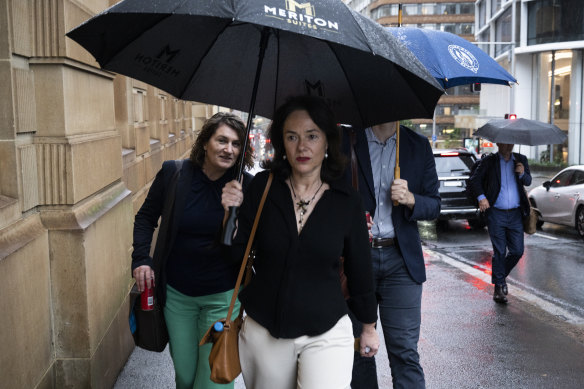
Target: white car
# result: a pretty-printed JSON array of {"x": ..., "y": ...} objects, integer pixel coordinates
[{"x": 561, "y": 200}]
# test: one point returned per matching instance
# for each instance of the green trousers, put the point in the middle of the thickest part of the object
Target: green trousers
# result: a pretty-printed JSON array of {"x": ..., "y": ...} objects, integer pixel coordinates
[{"x": 187, "y": 319}]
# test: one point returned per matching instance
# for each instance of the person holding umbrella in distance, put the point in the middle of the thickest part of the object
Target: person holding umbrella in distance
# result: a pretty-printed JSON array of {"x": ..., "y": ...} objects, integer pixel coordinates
[
  {"x": 498, "y": 183},
  {"x": 397, "y": 196},
  {"x": 297, "y": 333}
]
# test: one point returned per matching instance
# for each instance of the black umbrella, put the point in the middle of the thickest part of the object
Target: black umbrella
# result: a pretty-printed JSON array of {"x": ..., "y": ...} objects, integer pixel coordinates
[
  {"x": 521, "y": 132},
  {"x": 253, "y": 54},
  {"x": 222, "y": 51}
]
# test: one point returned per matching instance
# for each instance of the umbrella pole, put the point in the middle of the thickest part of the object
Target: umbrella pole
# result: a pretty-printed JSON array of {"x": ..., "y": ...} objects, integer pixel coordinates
[
  {"x": 396, "y": 171},
  {"x": 229, "y": 224}
]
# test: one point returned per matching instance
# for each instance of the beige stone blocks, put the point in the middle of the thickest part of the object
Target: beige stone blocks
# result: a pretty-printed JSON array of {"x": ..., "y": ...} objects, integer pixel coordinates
[
  {"x": 26, "y": 335},
  {"x": 76, "y": 100}
]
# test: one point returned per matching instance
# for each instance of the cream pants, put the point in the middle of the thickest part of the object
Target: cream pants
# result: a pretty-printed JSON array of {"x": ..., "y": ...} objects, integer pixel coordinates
[{"x": 307, "y": 362}]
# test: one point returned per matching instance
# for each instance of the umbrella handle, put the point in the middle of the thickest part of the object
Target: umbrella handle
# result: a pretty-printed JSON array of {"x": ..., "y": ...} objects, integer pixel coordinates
[
  {"x": 396, "y": 174},
  {"x": 230, "y": 226}
]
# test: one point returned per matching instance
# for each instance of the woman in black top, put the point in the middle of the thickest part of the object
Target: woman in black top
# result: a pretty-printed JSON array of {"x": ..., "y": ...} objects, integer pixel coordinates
[
  {"x": 195, "y": 283},
  {"x": 297, "y": 333}
]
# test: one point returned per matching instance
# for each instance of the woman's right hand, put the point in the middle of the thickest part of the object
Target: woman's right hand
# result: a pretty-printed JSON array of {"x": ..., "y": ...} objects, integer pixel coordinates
[
  {"x": 144, "y": 275},
  {"x": 232, "y": 195}
]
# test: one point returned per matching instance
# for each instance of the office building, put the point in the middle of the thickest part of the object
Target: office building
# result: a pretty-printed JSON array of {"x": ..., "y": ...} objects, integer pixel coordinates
[{"x": 542, "y": 43}]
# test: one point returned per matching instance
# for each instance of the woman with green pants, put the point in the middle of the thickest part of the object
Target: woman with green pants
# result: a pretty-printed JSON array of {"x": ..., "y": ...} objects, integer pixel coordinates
[{"x": 194, "y": 284}]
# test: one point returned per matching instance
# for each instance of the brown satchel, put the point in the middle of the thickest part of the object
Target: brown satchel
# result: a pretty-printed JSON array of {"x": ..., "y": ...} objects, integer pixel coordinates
[
  {"x": 224, "y": 356},
  {"x": 530, "y": 221}
]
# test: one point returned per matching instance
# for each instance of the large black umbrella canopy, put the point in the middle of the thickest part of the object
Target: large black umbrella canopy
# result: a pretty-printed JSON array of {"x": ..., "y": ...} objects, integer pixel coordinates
[
  {"x": 209, "y": 51},
  {"x": 521, "y": 132}
]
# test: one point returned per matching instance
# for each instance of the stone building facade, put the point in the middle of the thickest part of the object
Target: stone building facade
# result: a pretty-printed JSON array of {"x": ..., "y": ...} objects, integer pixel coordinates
[{"x": 79, "y": 147}]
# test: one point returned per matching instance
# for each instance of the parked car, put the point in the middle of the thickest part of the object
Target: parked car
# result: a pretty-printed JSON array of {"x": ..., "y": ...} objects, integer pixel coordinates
[
  {"x": 453, "y": 168},
  {"x": 561, "y": 200}
]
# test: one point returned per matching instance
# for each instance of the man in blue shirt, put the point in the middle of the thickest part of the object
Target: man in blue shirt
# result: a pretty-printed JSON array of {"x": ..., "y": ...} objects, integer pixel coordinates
[
  {"x": 396, "y": 205},
  {"x": 498, "y": 183}
]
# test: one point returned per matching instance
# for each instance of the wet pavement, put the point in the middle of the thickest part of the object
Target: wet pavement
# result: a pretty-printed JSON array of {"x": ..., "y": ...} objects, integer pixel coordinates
[{"x": 467, "y": 341}]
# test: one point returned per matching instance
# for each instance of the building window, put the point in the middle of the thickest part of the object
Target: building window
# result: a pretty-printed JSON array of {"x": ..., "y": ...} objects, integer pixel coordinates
[
  {"x": 503, "y": 28},
  {"x": 553, "y": 97},
  {"x": 547, "y": 23},
  {"x": 384, "y": 10},
  {"x": 139, "y": 105},
  {"x": 448, "y": 27},
  {"x": 495, "y": 6},
  {"x": 466, "y": 28},
  {"x": 482, "y": 13}
]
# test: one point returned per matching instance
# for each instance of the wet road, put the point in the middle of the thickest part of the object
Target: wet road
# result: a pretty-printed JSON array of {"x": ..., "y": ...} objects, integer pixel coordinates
[{"x": 552, "y": 267}]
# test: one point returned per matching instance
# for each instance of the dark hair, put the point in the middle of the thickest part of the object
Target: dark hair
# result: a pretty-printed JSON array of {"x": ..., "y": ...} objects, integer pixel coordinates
[
  {"x": 321, "y": 114},
  {"x": 208, "y": 130}
]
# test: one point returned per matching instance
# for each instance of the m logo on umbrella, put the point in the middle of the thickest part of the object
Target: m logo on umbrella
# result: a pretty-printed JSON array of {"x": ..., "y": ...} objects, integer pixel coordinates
[
  {"x": 306, "y": 19},
  {"x": 291, "y": 5}
]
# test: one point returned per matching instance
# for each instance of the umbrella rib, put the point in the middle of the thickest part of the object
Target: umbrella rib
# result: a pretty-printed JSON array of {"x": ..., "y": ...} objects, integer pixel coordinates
[
  {"x": 348, "y": 81},
  {"x": 277, "y": 36}
]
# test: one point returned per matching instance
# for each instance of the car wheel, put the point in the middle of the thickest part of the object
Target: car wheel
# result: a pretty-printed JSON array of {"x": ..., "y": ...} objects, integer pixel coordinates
[
  {"x": 476, "y": 224},
  {"x": 580, "y": 221}
]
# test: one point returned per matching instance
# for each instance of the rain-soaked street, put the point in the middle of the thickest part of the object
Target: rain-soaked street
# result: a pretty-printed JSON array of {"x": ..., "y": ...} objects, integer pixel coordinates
[{"x": 467, "y": 340}]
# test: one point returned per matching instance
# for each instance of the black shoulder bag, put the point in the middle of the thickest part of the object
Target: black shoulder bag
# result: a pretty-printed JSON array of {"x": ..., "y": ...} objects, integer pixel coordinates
[{"x": 148, "y": 327}]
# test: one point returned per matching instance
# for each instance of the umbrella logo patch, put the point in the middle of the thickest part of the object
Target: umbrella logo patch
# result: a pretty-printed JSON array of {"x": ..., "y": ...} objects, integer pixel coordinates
[
  {"x": 300, "y": 14},
  {"x": 160, "y": 64},
  {"x": 464, "y": 57}
]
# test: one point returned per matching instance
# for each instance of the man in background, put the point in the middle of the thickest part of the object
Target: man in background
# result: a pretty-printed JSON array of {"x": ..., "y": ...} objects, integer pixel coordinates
[{"x": 498, "y": 182}]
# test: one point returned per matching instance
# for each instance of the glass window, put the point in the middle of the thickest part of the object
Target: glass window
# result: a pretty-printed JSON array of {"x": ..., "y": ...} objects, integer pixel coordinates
[
  {"x": 562, "y": 179},
  {"x": 429, "y": 26},
  {"x": 495, "y": 6},
  {"x": 410, "y": 9},
  {"x": 466, "y": 29},
  {"x": 467, "y": 9},
  {"x": 446, "y": 165},
  {"x": 482, "y": 13},
  {"x": 503, "y": 28},
  {"x": 547, "y": 23},
  {"x": 427, "y": 9},
  {"x": 577, "y": 178},
  {"x": 448, "y": 9},
  {"x": 448, "y": 27}
]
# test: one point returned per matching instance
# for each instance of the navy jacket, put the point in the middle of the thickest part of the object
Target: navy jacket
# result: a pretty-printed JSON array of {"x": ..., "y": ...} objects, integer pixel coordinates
[
  {"x": 486, "y": 179},
  {"x": 418, "y": 168}
]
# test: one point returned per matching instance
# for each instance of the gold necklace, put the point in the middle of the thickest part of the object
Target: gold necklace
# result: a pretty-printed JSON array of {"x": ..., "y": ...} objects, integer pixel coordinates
[{"x": 303, "y": 204}]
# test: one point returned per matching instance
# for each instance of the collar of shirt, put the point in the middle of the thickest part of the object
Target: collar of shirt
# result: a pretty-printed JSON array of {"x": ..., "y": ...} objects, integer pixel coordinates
[{"x": 372, "y": 138}]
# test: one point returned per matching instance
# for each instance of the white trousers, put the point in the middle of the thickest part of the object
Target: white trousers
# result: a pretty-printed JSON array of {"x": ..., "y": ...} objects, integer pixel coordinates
[{"x": 308, "y": 362}]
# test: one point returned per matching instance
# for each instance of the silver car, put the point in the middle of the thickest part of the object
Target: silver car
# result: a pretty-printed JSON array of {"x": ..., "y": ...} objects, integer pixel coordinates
[{"x": 561, "y": 200}]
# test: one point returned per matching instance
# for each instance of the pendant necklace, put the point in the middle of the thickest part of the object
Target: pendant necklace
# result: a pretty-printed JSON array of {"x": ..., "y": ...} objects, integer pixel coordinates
[{"x": 303, "y": 204}]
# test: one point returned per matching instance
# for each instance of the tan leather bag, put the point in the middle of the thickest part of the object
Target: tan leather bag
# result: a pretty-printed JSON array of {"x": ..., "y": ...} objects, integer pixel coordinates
[{"x": 224, "y": 356}]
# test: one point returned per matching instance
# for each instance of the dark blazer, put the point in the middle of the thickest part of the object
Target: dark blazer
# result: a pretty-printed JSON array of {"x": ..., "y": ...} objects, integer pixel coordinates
[
  {"x": 486, "y": 179},
  {"x": 146, "y": 220},
  {"x": 418, "y": 168},
  {"x": 296, "y": 289}
]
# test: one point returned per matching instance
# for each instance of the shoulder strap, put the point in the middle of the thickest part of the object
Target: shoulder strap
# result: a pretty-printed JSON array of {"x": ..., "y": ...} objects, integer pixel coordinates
[
  {"x": 247, "y": 251},
  {"x": 167, "y": 207}
]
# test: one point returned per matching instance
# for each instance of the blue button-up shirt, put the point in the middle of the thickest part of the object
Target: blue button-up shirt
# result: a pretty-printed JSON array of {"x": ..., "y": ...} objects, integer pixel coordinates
[
  {"x": 508, "y": 195},
  {"x": 382, "y": 157}
]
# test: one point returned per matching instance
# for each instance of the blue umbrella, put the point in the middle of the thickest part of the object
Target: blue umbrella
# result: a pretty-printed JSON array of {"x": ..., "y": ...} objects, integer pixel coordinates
[{"x": 452, "y": 60}]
